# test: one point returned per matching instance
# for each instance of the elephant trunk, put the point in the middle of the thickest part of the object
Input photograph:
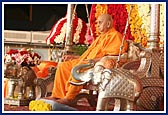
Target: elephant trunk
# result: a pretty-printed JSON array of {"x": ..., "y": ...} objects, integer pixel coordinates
[
  {"x": 142, "y": 48},
  {"x": 83, "y": 76}
]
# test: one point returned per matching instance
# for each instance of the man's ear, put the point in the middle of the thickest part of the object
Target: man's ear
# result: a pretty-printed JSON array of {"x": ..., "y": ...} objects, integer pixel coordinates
[{"x": 108, "y": 24}]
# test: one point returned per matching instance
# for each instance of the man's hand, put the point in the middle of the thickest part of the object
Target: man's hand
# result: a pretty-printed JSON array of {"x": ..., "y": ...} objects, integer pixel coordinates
[{"x": 70, "y": 57}]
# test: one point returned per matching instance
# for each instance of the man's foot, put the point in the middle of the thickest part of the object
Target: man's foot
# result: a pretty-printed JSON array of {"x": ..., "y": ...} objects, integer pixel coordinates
[
  {"x": 64, "y": 101},
  {"x": 51, "y": 98}
]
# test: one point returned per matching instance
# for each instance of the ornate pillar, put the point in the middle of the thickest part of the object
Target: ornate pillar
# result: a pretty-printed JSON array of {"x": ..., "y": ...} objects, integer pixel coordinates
[
  {"x": 68, "y": 42},
  {"x": 153, "y": 41}
]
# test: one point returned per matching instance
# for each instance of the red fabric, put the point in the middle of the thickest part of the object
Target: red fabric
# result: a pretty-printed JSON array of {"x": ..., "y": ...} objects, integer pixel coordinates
[
  {"x": 41, "y": 70},
  {"x": 5, "y": 86}
]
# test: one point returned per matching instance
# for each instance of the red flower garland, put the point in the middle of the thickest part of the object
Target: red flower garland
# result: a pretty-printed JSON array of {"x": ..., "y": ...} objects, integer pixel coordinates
[
  {"x": 83, "y": 33},
  {"x": 93, "y": 20},
  {"x": 56, "y": 31}
]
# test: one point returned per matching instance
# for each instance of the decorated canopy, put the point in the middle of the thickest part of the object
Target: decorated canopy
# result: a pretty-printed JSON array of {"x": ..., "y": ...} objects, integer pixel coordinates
[{"x": 138, "y": 28}]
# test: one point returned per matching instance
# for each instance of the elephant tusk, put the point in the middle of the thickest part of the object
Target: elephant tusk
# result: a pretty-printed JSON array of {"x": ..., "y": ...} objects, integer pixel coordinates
[{"x": 78, "y": 83}]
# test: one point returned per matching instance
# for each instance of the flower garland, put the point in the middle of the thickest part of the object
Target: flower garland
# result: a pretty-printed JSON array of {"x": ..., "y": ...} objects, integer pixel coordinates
[
  {"x": 93, "y": 20},
  {"x": 22, "y": 57},
  {"x": 139, "y": 23},
  {"x": 88, "y": 36},
  {"x": 138, "y": 29},
  {"x": 55, "y": 31},
  {"x": 61, "y": 36},
  {"x": 136, "y": 23},
  {"x": 100, "y": 9},
  {"x": 144, "y": 13},
  {"x": 120, "y": 16},
  {"x": 39, "y": 105},
  {"x": 58, "y": 32},
  {"x": 80, "y": 32}
]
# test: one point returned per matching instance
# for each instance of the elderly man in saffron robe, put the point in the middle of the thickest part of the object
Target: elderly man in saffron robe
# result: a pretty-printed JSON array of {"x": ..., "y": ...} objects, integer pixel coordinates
[{"x": 108, "y": 43}]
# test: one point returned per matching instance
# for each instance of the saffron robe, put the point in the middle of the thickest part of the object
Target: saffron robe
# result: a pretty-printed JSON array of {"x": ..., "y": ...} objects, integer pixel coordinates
[{"x": 106, "y": 44}]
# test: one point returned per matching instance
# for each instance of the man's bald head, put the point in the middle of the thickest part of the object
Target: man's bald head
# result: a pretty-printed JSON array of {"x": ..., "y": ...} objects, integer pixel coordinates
[
  {"x": 104, "y": 23},
  {"x": 107, "y": 17}
]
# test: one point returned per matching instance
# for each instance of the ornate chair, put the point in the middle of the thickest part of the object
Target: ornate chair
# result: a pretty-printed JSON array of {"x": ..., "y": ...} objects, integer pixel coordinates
[
  {"x": 47, "y": 78},
  {"x": 149, "y": 70}
]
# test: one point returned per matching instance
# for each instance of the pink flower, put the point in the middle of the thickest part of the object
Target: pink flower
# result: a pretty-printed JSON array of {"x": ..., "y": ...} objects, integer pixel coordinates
[{"x": 90, "y": 39}]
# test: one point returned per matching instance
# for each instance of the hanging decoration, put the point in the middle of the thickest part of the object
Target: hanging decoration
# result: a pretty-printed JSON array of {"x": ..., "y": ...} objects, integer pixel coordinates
[
  {"x": 144, "y": 13},
  {"x": 58, "y": 32},
  {"x": 136, "y": 24}
]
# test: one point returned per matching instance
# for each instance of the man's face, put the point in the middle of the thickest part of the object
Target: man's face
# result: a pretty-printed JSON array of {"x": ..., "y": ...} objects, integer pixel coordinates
[{"x": 102, "y": 24}]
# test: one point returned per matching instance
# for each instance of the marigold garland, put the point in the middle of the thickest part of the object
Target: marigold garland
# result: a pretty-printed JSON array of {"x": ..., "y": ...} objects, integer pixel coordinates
[
  {"x": 100, "y": 9},
  {"x": 136, "y": 22}
]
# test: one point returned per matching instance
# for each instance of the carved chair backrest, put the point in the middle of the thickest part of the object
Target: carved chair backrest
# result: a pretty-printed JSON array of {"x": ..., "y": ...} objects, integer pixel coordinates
[
  {"x": 157, "y": 68},
  {"x": 133, "y": 51}
]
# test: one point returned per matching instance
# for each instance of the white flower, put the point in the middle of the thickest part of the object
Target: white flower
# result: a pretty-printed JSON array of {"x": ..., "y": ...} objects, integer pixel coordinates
[
  {"x": 144, "y": 13},
  {"x": 8, "y": 58}
]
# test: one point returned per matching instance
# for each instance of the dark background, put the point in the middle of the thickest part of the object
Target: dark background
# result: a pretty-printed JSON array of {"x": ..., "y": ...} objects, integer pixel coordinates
[{"x": 41, "y": 18}]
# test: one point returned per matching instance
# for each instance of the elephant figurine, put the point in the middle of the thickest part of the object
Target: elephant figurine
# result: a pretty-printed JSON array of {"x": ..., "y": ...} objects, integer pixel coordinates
[
  {"x": 11, "y": 72},
  {"x": 26, "y": 79},
  {"x": 115, "y": 83},
  {"x": 23, "y": 77}
]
